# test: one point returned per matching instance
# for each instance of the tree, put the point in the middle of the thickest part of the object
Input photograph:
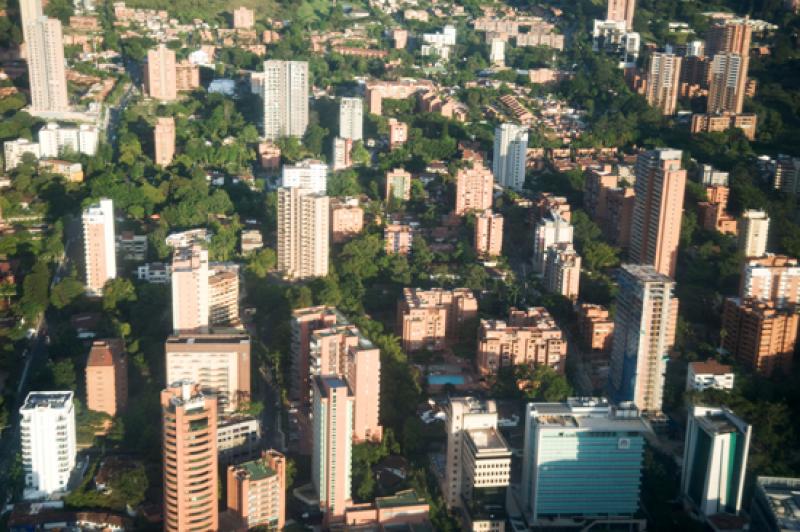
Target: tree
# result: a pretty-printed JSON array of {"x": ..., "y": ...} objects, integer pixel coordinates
[
  {"x": 116, "y": 291},
  {"x": 65, "y": 292},
  {"x": 262, "y": 262},
  {"x": 35, "y": 289},
  {"x": 62, "y": 374}
]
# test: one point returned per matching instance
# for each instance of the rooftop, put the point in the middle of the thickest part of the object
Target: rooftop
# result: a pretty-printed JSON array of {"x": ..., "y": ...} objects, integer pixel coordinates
[
  {"x": 487, "y": 440},
  {"x": 103, "y": 352},
  {"x": 712, "y": 367},
  {"x": 47, "y": 400},
  {"x": 783, "y": 496},
  {"x": 401, "y": 498},
  {"x": 588, "y": 413},
  {"x": 256, "y": 469}
]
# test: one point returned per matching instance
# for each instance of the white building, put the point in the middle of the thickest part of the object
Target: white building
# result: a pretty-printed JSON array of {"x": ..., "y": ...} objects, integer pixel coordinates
[
  {"x": 45, "y": 50},
  {"x": 550, "y": 231},
  {"x": 303, "y": 233},
  {"x": 285, "y": 99},
  {"x": 351, "y": 119},
  {"x": 309, "y": 174},
  {"x": 47, "y": 440},
  {"x": 478, "y": 467},
  {"x": 238, "y": 439},
  {"x": 510, "y": 152},
  {"x": 100, "y": 250},
  {"x": 497, "y": 52},
  {"x": 710, "y": 374},
  {"x": 446, "y": 37},
  {"x": 13, "y": 150},
  {"x": 613, "y": 36},
  {"x": 753, "y": 233},
  {"x": 54, "y": 139},
  {"x": 341, "y": 156},
  {"x": 581, "y": 459},
  {"x": 711, "y": 177},
  {"x": 715, "y": 460},
  {"x": 154, "y": 272}
]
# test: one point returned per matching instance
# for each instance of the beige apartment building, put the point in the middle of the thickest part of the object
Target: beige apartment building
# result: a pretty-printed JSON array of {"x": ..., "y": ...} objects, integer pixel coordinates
[
  {"x": 427, "y": 318},
  {"x": 304, "y": 322},
  {"x": 398, "y": 133},
  {"x": 596, "y": 327},
  {"x": 562, "y": 271},
  {"x": 347, "y": 219},
  {"x": 530, "y": 337},
  {"x": 398, "y": 239},
  {"x": 190, "y": 304},
  {"x": 621, "y": 10},
  {"x": 663, "y": 77},
  {"x": 658, "y": 209},
  {"x": 398, "y": 185},
  {"x": 107, "y": 377},
  {"x": 759, "y": 335},
  {"x": 303, "y": 233},
  {"x": 99, "y": 246},
  {"x": 45, "y": 53},
  {"x": 772, "y": 277},
  {"x": 190, "y": 458},
  {"x": 187, "y": 76},
  {"x": 164, "y": 140},
  {"x": 726, "y": 86},
  {"x": 216, "y": 363},
  {"x": 489, "y": 234},
  {"x": 159, "y": 74},
  {"x": 257, "y": 491},
  {"x": 223, "y": 295},
  {"x": 474, "y": 188},
  {"x": 243, "y": 18}
]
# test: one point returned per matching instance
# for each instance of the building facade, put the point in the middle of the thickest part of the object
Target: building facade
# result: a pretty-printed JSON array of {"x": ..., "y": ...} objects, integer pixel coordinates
[
  {"x": 99, "y": 246},
  {"x": 309, "y": 174},
  {"x": 351, "y": 118},
  {"x": 489, "y": 234},
  {"x": 190, "y": 458},
  {"x": 753, "y": 233},
  {"x": 164, "y": 140},
  {"x": 658, "y": 209},
  {"x": 347, "y": 219},
  {"x": 430, "y": 317},
  {"x": 303, "y": 233},
  {"x": 663, "y": 77},
  {"x": 107, "y": 377},
  {"x": 256, "y": 490},
  {"x": 509, "y": 156},
  {"x": 644, "y": 334},
  {"x": 159, "y": 74},
  {"x": 474, "y": 187},
  {"x": 285, "y": 99},
  {"x": 217, "y": 364},
  {"x": 45, "y": 49},
  {"x": 772, "y": 277},
  {"x": 47, "y": 441}
]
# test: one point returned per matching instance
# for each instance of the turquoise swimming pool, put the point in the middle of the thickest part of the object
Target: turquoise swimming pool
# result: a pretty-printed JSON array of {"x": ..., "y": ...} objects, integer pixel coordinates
[{"x": 441, "y": 380}]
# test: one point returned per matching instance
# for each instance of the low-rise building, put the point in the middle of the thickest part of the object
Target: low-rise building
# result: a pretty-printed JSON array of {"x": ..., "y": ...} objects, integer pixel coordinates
[
  {"x": 710, "y": 374},
  {"x": 530, "y": 337},
  {"x": 347, "y": 219},
  {"x": 489, "y": 234},
  {"x": 398, "y": 133},
  {"x": 398, "y": 185},
  {"x": 705, "y": 123},
  {"x": 154, "y": 272},
  {"x": 251, "y": 241},
  {"x": 131, "y": 246},
  {"x": 257, "y": 491}
]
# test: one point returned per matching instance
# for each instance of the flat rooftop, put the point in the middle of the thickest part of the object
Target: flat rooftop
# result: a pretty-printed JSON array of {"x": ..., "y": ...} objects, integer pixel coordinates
[
  {"x": 47, "y": 400},
  {"x": 783, "y": 497},
  {"x": 399, "y": 499},
  {"x": 209, "y": 339},
  {"x": 487, "y": 440},
  {"x": 583, "y": 413},
  {"x": 257, "y": 469},
  {"x": 717, "y": 424}
]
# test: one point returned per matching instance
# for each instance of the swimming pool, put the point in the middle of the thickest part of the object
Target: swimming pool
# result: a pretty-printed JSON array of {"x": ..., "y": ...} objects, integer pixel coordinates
[{"x": 441, "y": 380}]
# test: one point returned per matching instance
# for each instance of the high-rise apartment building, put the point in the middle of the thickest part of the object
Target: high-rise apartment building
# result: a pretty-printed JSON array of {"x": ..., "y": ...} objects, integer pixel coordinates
[
  {"x": 509, "y": 156},
  {"x": 474, "y": 187},
  {"x": 398, "y": 238},
  {"x": 753, "y": 233},
  {"x": 715, "y": 460},
  {"x": 187, "y": 76},
  {"x": 99, "y": 246},
  {"x": 190, "y": 306},
  {"x": 159, "y": 74},
  {"x": 243, "y": 18},
  {"x": 398, "y": 133},
  {"x": 29, "y": 12},
  {"x": 331, "y": 459},
  {"x": 341, "y": 154},
  {"x": 285, "y": 99},
  {"x": 549, "y": 231},
  {"x": 164, "y": 140},
  {"x": 730, "y": 36},
  {"x": 644, "y": 333},
  {"x": 663, "y": 79},
  {"x": 621, "y": 11},
  {"x": 429, "y": 317},
  {"x": 772, "y": 277},
  {"x": 218, "y": 364},
  {"x": 489, "y": 234},
  {"x": 351, "y": 118},
  {"x": 398, "y": 185},
  {"x": 725, "y": 86},
  {"x": 55, "y": 139},
  {"x": 47, "y": 442},
  {"x": 582, "y": 459},
  {"x": 303, "y": 233},
  {"x": 107, "y": 377},
  {"x": 760, "y": 335},
  {"x": 562, "y": 271},
  {"x": 530, "y": 337},
  {"x": 304, "y": 322},
  {"x": 45, "y": 49},
  {"x": 309, "y": 174},
  {"x": 658, "y": 209},
  {"x": 256, "y": 491},
  {"x": 190, "y": 458},
  {"x": 478, "y": 464}
]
